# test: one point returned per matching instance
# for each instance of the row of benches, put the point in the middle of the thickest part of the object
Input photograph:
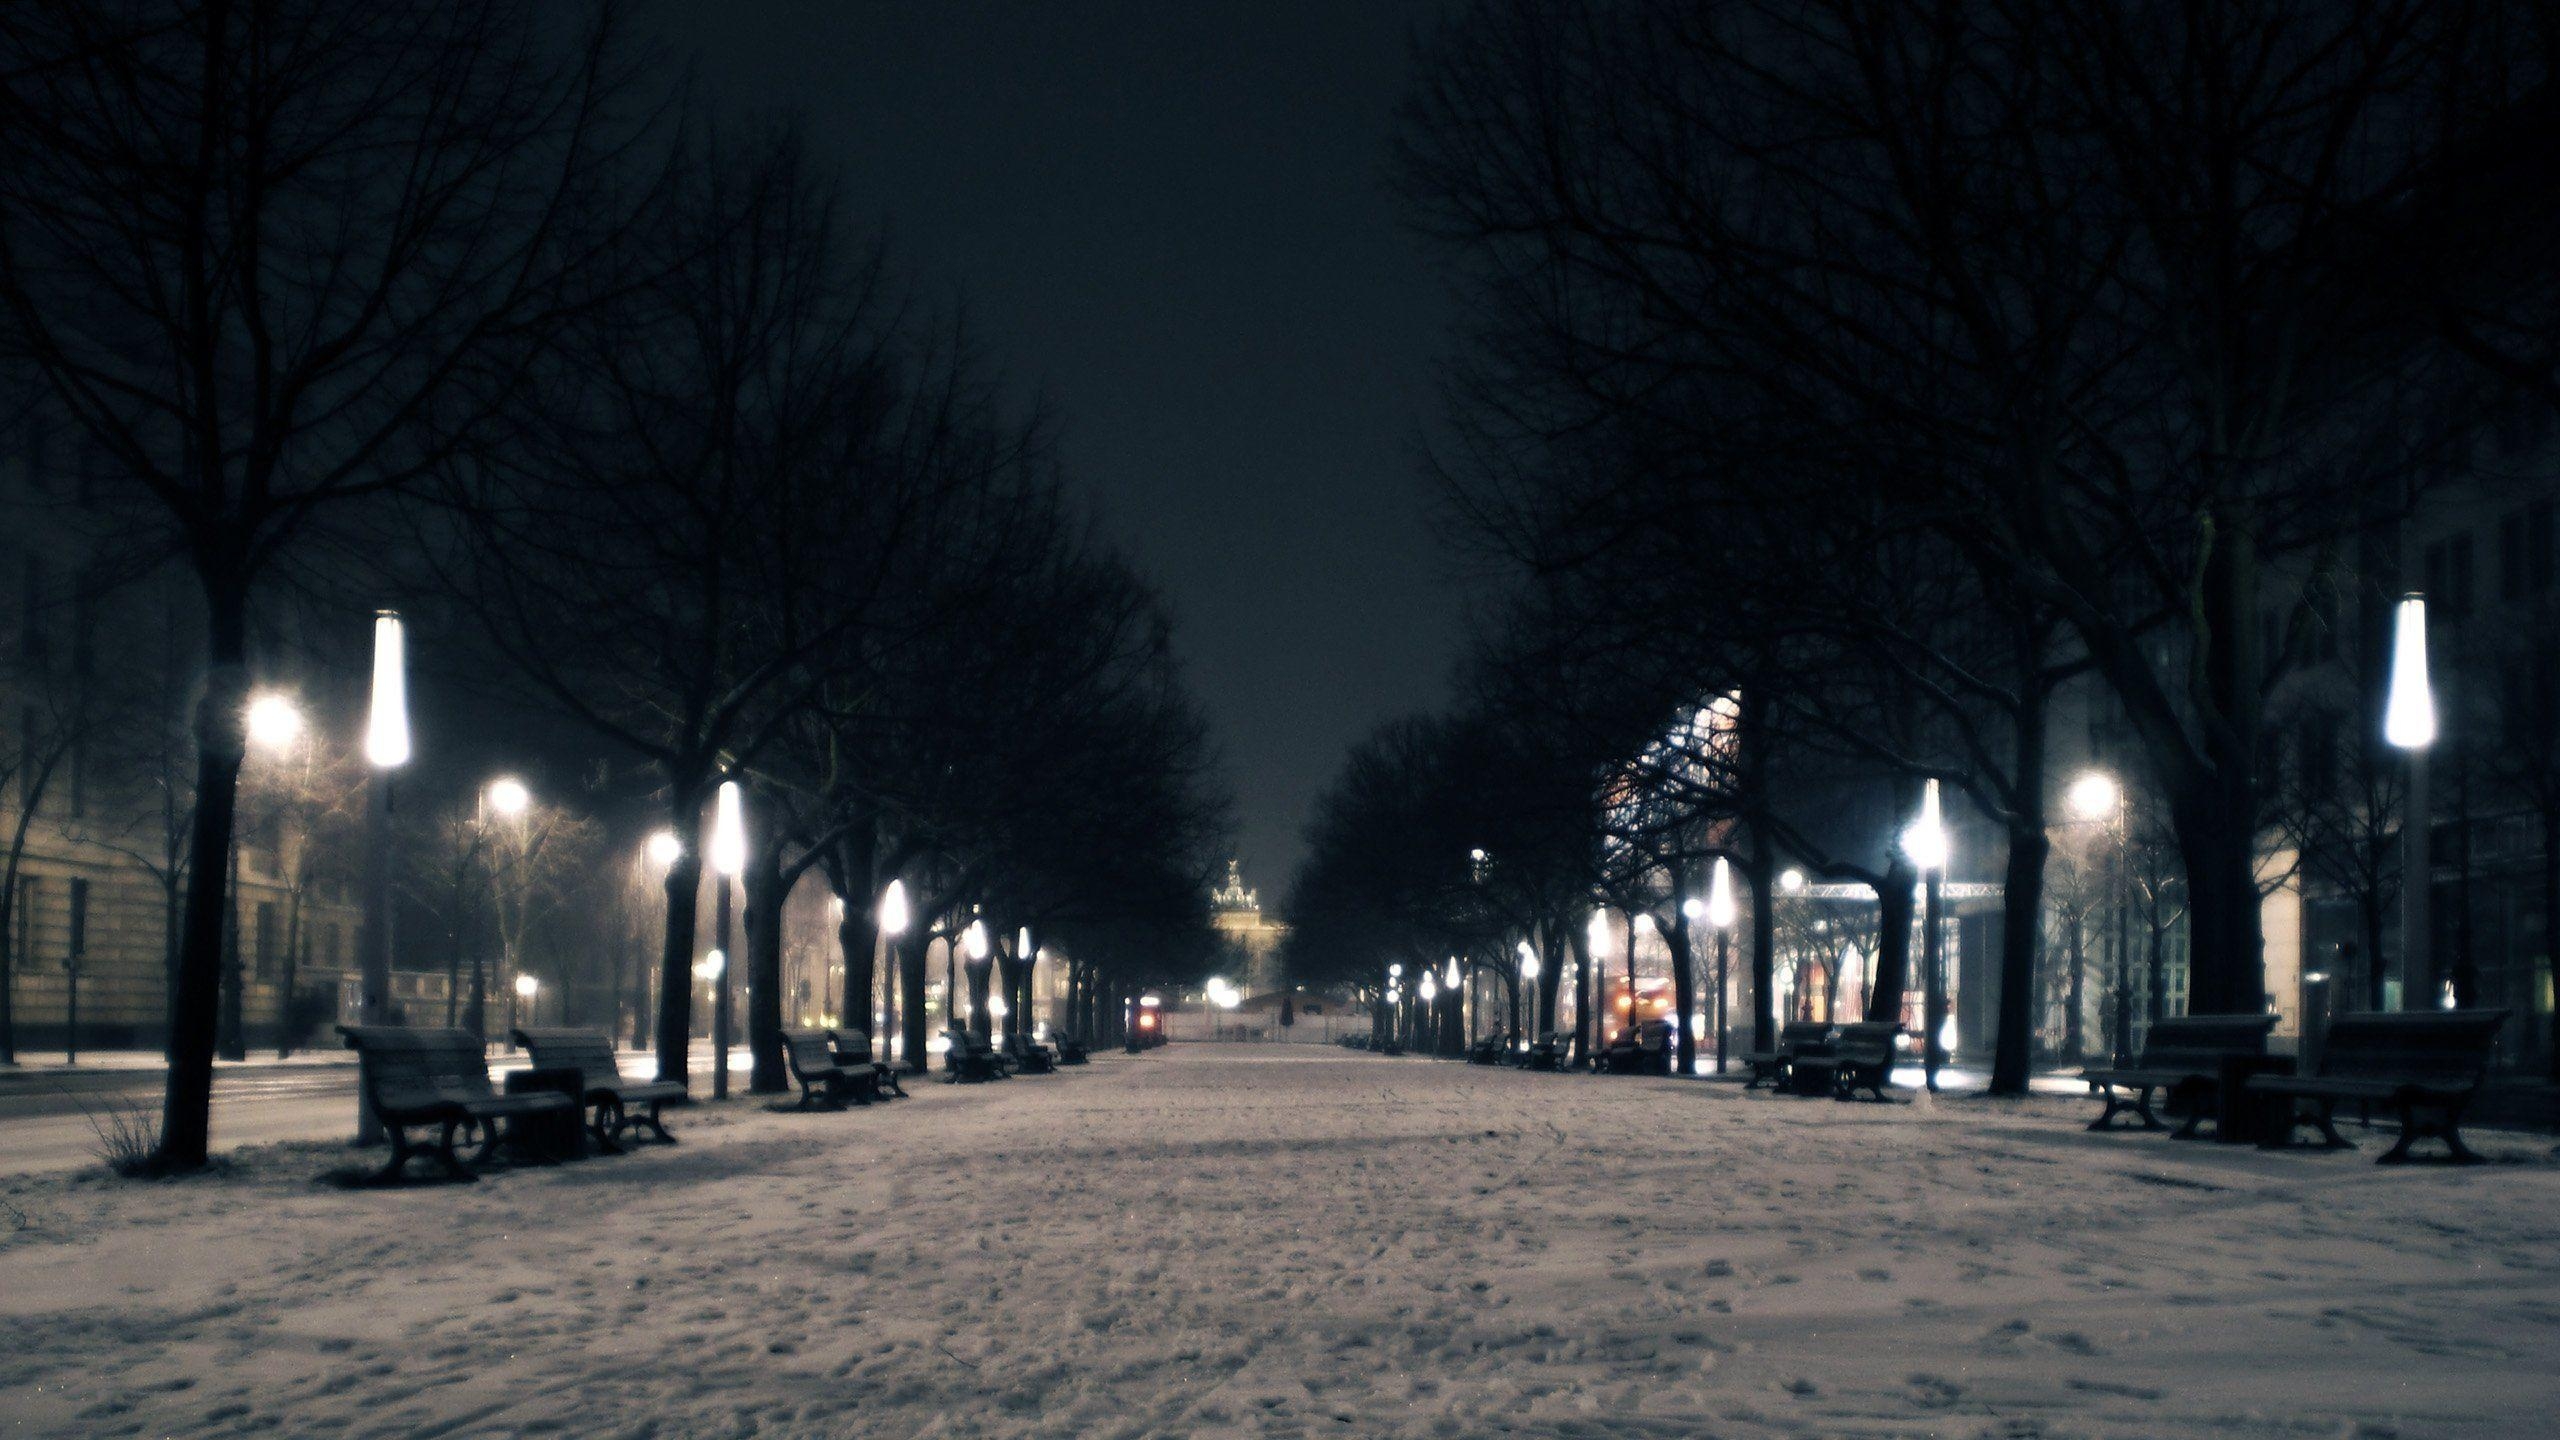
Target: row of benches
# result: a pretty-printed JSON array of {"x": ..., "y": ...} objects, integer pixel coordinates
[
  {"x": 2426, "y": 1066},
  {"x": 436, "y": 1082}
]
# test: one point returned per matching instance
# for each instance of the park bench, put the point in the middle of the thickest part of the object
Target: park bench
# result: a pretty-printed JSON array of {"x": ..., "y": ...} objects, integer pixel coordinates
[
  {"x": 826, "y": 1082},
  {"x": 2425, "y": 1064},
  {"x": 1770, "y": 1066},
  {"x": 2184, "y": 1059},
  {"x": 1857, "y": 1057},
  {"x": 1071, "y": 1051},
  {"x": 1644, "y": 1051},
  {"x": 968, "y": 1059},
  {"x": 617, "y": 1104},
  {"x": 1548, "y": 1052},
  {"x": 438, "y": 1078},
  {"x": 1492, "y": 1049},
  {"x": 853, "y": 1047},
  {"x": 1030, "y": 1056}
]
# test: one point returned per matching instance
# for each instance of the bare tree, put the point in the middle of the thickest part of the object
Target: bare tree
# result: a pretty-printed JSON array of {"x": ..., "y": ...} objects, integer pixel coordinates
[{"x": 270, "y": 257}]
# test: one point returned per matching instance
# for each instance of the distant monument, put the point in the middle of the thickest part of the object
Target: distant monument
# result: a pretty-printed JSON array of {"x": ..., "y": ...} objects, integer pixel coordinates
[{"x": 1251, "y": 934}]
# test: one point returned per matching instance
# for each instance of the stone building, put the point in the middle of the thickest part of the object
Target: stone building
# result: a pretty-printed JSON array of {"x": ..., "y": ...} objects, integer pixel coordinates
[{"x": 1251, "y": 937}]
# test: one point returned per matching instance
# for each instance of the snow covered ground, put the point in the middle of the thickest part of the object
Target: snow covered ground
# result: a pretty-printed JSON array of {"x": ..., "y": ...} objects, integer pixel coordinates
[{"x": 1221, "y": 1241}]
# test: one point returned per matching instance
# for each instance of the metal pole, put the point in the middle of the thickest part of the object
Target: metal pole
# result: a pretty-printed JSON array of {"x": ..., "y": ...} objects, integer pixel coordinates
[
  {"x": 2417, "y": 871},
  {"x": 2124, "y": 934},
  {"x": 373, "y": 1004},
  {"x": 1724, "y": 960},
  {"x": 720, "y": 1004},
  {"x": 1933, "y": 1007}
]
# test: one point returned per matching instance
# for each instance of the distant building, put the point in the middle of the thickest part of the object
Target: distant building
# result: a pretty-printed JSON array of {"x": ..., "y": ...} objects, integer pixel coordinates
[{"x": 1252, "y": 936}]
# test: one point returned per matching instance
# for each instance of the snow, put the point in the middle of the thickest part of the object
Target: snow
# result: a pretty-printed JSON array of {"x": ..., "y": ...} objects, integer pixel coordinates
[{"x": 1233, "y": 1240}]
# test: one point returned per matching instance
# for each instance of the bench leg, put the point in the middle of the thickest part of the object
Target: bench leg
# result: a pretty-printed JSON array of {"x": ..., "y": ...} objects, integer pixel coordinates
[
  {"x": 607, "y": 1126},
  {"x": 657, "y": 1126},
  {"x": 446, "y": 1156},
  {"x": 2413, "y": 1130},
  {"x": 2195, "y": 1096}
]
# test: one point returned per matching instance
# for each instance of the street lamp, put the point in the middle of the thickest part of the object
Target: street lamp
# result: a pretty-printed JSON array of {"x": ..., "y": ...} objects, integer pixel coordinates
[
  {"x": 527, "y": 988},
  {"x": 2096, "y": 797},
  {"x": 2409, "y": 724},
  {"x": 508, "y": 797},
  {"x": 1720, "y": 912},
  {"x": 665, "y": 849},
  {"x": 1926, "y": 843},
  {"x": 975, "y": 946},
  {"x": 728, "y": 856},
  {"x": 1791, "y": 881},
  {"x": 274, "y": 723},
  {"x": 1529, "y": 976},
  {"x": 1595, "y": 936},
  {"x": 386, "y": 748}
]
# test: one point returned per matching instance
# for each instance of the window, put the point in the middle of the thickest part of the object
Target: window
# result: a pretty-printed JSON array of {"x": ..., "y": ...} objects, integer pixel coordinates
[
  {"x": 266, "y": 938},
  {"x": 29, "y": 891},
  {"x": 78, "y": 949},
  {"x": 329, "y": 947}
]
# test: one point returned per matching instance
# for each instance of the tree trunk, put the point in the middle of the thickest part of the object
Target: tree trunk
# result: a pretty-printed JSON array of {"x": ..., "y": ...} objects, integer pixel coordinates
[
  {"x": 233, "y": 1044},
  {"x": 186, "y": 1118},
  {"x": 2075, "y": 999},
  {"x": 911, "y": 1017},
  {"x": 1684, "y": 989},
  {"x": 767, "y": 1073},
  {"x": 1890, "y": 978},
  {"x": 2551, "y": 918},
  {"x": 2021, "y": 917},
  {"x": 675, "y": 947},
  {"x": 292, "y": 973},
  {"x": 8, "y": 977},
  {"x": 2225, "y": 974},
  {"x": 1762, "y": 873}
]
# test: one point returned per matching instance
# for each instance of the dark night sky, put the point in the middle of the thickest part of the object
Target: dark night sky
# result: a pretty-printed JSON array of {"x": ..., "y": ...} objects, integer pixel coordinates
[{"x": 1172, "y": 220}]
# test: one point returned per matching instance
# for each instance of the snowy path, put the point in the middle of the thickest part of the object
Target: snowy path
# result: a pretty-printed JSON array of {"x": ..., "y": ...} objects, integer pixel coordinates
[{"x": 1231, "y": 1241}]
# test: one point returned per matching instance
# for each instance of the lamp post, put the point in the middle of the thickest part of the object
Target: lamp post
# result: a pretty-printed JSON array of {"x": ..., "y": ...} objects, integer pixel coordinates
[
  {"x": 1529, "y": 977},
  {"x": 728, "y": 857},
  {"x": 386, "y": 748},
  {"x": 974, "y": 941},
  {"x": 893, "y": 923},
  {"x": 1454, "y": 1005},
  {"x": 1595, "y": 935},
  {"x": 509, "y": 800},
  {"x": 2409, "y": 724},
  {"x": 1430, "y": 1009},
  {"x": 661, "y": 851},
  {"x": 1926, "y": 843},
  {"x": 527, "y": 991},
  {"x": 1720, "y": 912},
  {"x": 2095, "y": 797}
]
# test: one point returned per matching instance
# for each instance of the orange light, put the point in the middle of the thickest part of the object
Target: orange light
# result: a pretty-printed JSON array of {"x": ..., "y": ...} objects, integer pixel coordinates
[{"x": 1146, "y": 1022}]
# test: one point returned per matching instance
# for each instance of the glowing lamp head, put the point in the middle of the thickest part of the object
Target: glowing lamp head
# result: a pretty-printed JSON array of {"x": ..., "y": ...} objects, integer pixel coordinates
[
  {"x": 2093, "y": 796},
  {"x": 1791, "y": 880},
  {"x": 976, "y": 940},
  {"x": 1430, "y": 990},
  {"x": 1528, "y": 962},
  {"x": 2409, "y": 717},
  {"x": 273, "y": 723},
  {"x": 526, "y": 986},
  {"x": 1720, "y": 906},
  {"x": 386, "y": 727},
  {"x": 1022, "y": 944},
  {"x": 1926, "y": 841},
  {"x": 1452, "y": 979},
  {"x": 1597, "y": 932},
  {"x": 1693, "y": 909},
  {"x": 893, "y": 908},
  {"x": 665, "y": 849},
  {"x": 728, "y": 851},
  {"x": 509, "y": 797},
  {"x": 1395, "y": 972},
  {"x": 711, "y": 965}
]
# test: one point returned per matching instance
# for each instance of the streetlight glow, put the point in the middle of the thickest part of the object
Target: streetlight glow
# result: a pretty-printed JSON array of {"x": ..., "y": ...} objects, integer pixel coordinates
[
  {"x": 1528, "y": 962},
  {"x": 1926, "y": 841},
  {"x": 893, "y": 908},
  {"x": 1693, "y": 909},
  {"x": 729, "y": 831},
  {"x": 1395, "y": 971},
  {"x": 665, "y": 849},
  {"x": 2093, "y": 796},
  {"x": 1430, "y": 989},
  {"x": 508, "y": 796},
  {"x": 1597, "y": 932},
  {"x": 976, "y": 939},
  {"x": 527, "y": 986},
  {"x": 1452, "y": 981},
  {"x": 1720, "y": 907},
  {"x": 1791, "y": 880},
  {"x": 273, "y": 722},
  {"x": 2409, "y": 719},
  {"x": 386, "y": 730},
  {"x": 711, "y": 965}
]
